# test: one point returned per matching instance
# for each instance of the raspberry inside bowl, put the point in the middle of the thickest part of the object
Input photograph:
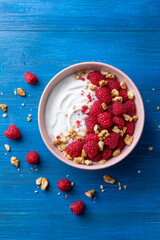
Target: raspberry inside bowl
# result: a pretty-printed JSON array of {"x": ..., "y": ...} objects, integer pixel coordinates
[{"x": 118, "y": 118}]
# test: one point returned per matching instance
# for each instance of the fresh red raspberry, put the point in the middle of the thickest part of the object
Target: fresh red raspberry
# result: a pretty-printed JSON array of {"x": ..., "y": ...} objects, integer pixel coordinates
[
  {"x": 112, "y": 140},
  {"x": 77, "y": 207},
  {"x": 118, "y": 121},
  {"x": 130, "y": 127},
  {"x": 32, "y": 157},
  {"x": 104, "y": 95},
  {"x": 109, "y": 109},
  {"x": 123, "y": 94},
  {"x": 91, "y": 137},
  {"x": 96, "y": 158},
  {"x": 74, "y": 149},
  {"x": 91, "y": 148},
  {"x": 64, "y": 185},
  {"x": 105, "y": 119},
  {"x": 130, "y": 107},
  {"x": 113, "y": 84},
  {"x": 107, "y": 153},
  {"x": 95, "y": 77},
  {"x": 96, "y": 108},
  {"x": 91, "y": 121},
  {"x": 12, "y": 132},
  {"x": 118, "y": 108},
  {"x": 121, "y": 144},
  {"x": 30, "y": 78}
]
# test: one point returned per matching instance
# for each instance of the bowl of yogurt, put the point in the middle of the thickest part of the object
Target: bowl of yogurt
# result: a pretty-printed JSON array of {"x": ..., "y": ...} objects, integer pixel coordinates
[{"x": 64, "y": 107}]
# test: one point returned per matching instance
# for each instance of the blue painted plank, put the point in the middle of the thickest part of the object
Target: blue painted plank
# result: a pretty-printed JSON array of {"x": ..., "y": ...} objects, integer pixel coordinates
[{"x": 79, "y": 15}]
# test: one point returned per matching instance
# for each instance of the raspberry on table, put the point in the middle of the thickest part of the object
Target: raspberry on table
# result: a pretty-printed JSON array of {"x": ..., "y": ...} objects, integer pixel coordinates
[
  {"x": 112, "y": 140},
  {"x": 118, "y": 108},
  {"x": 118, "y": 121},
  {"x": 32, "y": 157},
  {"x": 91, "y": 137},
  {"x": 74, "y": 149},
  {"x": 96, "y": 108},
  {"x": 107, "y": 153},
  {"x": 130, "y": 107},
  {"x": 130, "y": 127},
  {"x": 96, "y": 158},
  {"x": 12, "y": 132},
  {"x": 91, "y": 148},
  {"x": 104, "y": 95},
  {"x": 121, "y": 144},
  {"x": 90, "y": 122},
  {"x": 113, "y": 84},
  {"x": 123, "y": 94},
  {"x": 95, "y": 77},
  {"x": 30, "y": 78},
  {"x": 77, "y": 207},
  {"x": 105, "y": 120},
  {"x": 64, "y": 185}
]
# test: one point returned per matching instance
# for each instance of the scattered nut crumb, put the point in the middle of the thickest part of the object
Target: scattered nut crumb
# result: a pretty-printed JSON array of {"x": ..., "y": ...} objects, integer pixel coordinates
[
  {"x": 62, "y": 146},
  {"x": 57, "y": 142},
  {"x": 87, "y": 101},
  {"x": 3, "y": 107},
  {"x": 66, "y": 115},
  {"x": 120, "y": 188},
  {"x": 22, "y": 104},
  {"x": 104, "y": 106},
  {"x": 101, "y": 162},
  {"x": 88, "y": 162},
  {"x": 158, "y": 126},
  {"x": 15, "y": 161},
  {"x": 74, "y": 107},
  {"x": 29, "y": 115},
  {"x": 18, "y": 169},
  {"x": 128, "y": 140},
  {"x": 4, "y": 115},
  {"x": 66, "y": 196},
  {"x": 88, "y": 82},
  {"x": 150, "y": 148},
  {"x": 108, "y": 179},
  {"x": 123, "y": 85},
  {"x": 21, "y": 92},
  {"x": 85, "y": 130},
  {"x": 36, "y": 191},
  {"x": 125, "y": 186},
  {"x": 101, "y": 186},
  {"x": 72, "y": 184},
  {"x": 29, "y": 119},
  {"x": 153, "y": 89},
  {"x": 76, "y": 75},
  {"x": 83, "y": 74},
  {"x": 102, "y": 83},
  {"x": 79, "y": 137},
  {"x": 130, "y": 95},
  {"x": 59, "y": 193},
  {"x": 44, "y": 184},
  {"x": 103, "y": 190},
  {"x": 93, "y": 87},
  {"x": 90, "y": 193},
  {"x": 138, "y": 171},
  {"x": 15, "y": 92},
  {"x": 7, "y": 147},
  {"x": 39, "y": 181},
  {"x": 158, "y": 108}
]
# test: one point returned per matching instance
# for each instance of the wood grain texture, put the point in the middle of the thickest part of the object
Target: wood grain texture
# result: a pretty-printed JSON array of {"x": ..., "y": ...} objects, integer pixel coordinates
[{"x": 73, "y": 34}]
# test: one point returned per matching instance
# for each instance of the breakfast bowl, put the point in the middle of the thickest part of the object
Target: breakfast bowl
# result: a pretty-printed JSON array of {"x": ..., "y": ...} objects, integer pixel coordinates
[{"x": 88, "y": 66}]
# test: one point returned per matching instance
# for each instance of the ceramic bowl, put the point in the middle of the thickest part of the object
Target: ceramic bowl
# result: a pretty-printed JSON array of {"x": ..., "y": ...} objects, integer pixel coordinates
[{"x": 99, "y": 67}]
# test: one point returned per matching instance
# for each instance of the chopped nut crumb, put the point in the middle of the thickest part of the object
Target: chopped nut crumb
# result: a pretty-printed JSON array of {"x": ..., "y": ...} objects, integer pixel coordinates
[
  {"x": 93, "y": 87},
  {"x": 39, "y": 181},
  {"x": 128, "y": 140},
  {"x": 29, "y": 115},
  {"x": 88, "y": 82},
  {"x": 158, "y": 126},
  {"x": 114, "y": 93},
  {"x": 15, "y": 161},
  {"x": 29, "y": 119},
  {"x": 108, "y": 179},
  {"x": 90, "y": 193},
  {"x": 125, "y": 186},
  {"x": 158, "y": 108},
  {"x": 116, "y": 129},
  {"x": 4, "y": 115},
  {"x": 101, "y": 162},
  {"x": 72, "y": 133},
  {"x": 79, "y": 137},
  {"x": 21, "y": 92},
  {"x": 59, "y": 193},
  {"x": 7, "y": 147},
  {"x": 76, "y": 75},
  {"x": 79, "y": 160},
  {"x": 62, "y": 147},
  {"x": 15, "y": 92},
  {"x": 57, "y": 142},
  {"x": 87, "y": 101},
  {"x": 123, "y": 85},
  {"x": 66, "y": 115},
  {"x": 44, "y": 184},
  {"x": 36, "y": 191},
  {"x": 74, "y": 107},
  {"x": 101, "y": 186},
  {"x": 72, "y": 184},
  {"x": 115, "y": 99},
  {"x": 103, "y": 134},
  {"x": 116, "y": 152},
  {"x": 104, "y": 72},
  {"x": 84, "y": 154},
  {"x": 88, "y": 162},
  {"x": 103, "y": 190},
  {"x": 102, "y": 83},
  {"x": 127, "y": 117},
  {"x": 130, "y": 95},
  {"x": 22, "y": 104},
  {"x": 104, "y": 106},
  {"x": 110, "y": 75},
  {"x": 138, "y": 171},
  {"x": 135, "y": 118},
  {"x": 150, "y": 148},
  {"x": 3, "y": 107},
  {"x": 120, "y": 188},
  {"x": 97, "y": 129},
  {"x": 153, "y": 89},
  {"x": 101, "y": 145},
  {"x": 66, "y": 196},
  {"x": 85, "y": 130}
]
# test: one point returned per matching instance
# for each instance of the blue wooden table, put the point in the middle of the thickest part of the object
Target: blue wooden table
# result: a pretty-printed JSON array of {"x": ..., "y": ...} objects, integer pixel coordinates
[{"x": 44, "y": 37}]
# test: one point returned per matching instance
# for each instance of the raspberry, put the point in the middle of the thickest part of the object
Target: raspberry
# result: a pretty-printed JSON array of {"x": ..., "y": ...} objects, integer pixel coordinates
[
  {"x": 107, "y": 153},
  {"x": 118, "y": 121},
  {"x": 96, "y": 108},
  {"x": 96, "y": 158},
  {"x": 30, "y": 78},
  {"x": 123, "y": 94},
  {"x": 77, "y": 207},
  {"x": 84, "y": 109},
  {"x": 110, "y": 109},
  {"x": 118, "y": 108},
  {"x": 74, "y": 149},
  {"x": 130, "y": 127},
  {"x": 91, "y": 148},
  {"x": 12, "y": 132},
  {"x": 91, "y": 137},
  {"x": 105, "y": 119},
  {"x": 91, "y": 121},
  {"x": 64, "y": 185},
  {"x": 130, "y": 107},
  {"x": 121, "y": 144},
  {"x": 112, "y": 140},
  {"x": 113, "y": 84},
  {"x": 104, "y": 95},
  {"x": 32, "y": 157},
  {"x": 95, "y": 77}
]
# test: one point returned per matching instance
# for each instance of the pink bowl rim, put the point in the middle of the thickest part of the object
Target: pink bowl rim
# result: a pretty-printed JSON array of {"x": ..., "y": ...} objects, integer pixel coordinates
[{"x": 42, "y": 128}]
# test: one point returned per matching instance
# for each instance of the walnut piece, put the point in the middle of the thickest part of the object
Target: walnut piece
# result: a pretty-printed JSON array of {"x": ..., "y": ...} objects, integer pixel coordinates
[
  {"x": 127, "y": 117},
  {"x": 90, "y": 193},
  {"x": 102, "y": 83},
  {"x": 104, "y": 106},
  {"x": 57, "y": 142},
  {"x": 116, "y": 129},
  {"x": 7, "y": 147},
  {"x": 93, "y": 87},
  {"x": 130, "y": 95},
  {"x": 72, "y": 133},
  {"x": 83, "y": 74},
  {"x": 79, "y": 137},
  {"x": 21, "y": 92},
  {"x": 88, "y": 162},
  {"x": 123, "y": 131},
  {"x": 44, "y": 184},
  {"x": 79, "y": 160},
  {"x": 29, "y": 119},
  {"x": 104, "y": 72},
  {"x": 101, "y": 145},
  {"x": 135, "y": 118},
  {"x": 110, "y": 75},
  {"x": 103, "y": 134},
  {"x": 123, "y": 85},
  {"x": 83, "y": 154},
  {"x": 4, "y": 115},
  {"x": 114, "y": 93},
  {"x": 15, "y": 161},
  {"x": 62, "y": 146},
  {"x": 108, "y": 179},
  {"x": 101, "y": 162},
  {"x": 73, "y": 107},
  {"x": 3, "y": 107},
  {"x": 76, "y": 76},
  {"x": 115, "y": 99},
  {"x": 39, "y": 181},
  {"x": 97, "y": 129},
  {"x": 128, "y": 140},
  {"x": 116, "y": 152}
]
